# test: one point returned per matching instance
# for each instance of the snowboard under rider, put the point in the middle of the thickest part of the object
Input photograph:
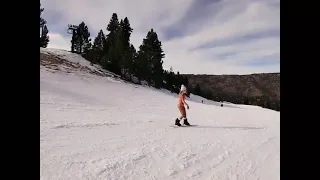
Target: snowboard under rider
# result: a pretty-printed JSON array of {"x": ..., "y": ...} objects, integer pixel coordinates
[{"x": 181, "y": 103}]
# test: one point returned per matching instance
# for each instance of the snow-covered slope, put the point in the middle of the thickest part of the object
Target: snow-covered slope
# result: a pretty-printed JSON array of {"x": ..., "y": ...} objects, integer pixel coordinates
[{"x": 95, "y": 127}]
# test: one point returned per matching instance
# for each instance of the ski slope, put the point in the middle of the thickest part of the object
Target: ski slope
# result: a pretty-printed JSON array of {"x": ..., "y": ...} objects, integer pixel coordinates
[{"x": 101, "y": 128}]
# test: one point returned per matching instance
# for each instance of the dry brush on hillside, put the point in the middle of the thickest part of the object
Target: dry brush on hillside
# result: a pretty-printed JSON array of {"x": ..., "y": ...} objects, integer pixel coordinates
[{"x": 254, "y": 89}]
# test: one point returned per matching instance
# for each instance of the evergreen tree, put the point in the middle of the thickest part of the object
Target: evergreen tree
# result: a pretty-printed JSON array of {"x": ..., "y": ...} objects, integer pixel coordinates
[
  {"x": 44, "y": 38},
  {"x": 110, "y": 60},
  {"x": 127, "y": 30},
  {"x": 140, "y": 64},
  {"x": 197, "y": 90},
  {"x": 151, "y": 54},
  {"x": 88, "y": 53},
  {"x": 98, "y": 46},
  {"x": 132, "y": 54},
  {"x": 125, "y": 48},
  {"x": 122, "y": 54},
  {"x": 112, "y": 27},
  {"x": 42, "y": 21},
  {"x": 129, "y": 52},
  {"x": 185, "y": 81},
  {"x": 116, "y": 58},
  {"x": 73, "y": 42},
  {"x": 246, "y": 101},
  {"x": 171, "y": 82},
  {"x": 206, "y": 94},
  {"x": 81, "y": 39}
]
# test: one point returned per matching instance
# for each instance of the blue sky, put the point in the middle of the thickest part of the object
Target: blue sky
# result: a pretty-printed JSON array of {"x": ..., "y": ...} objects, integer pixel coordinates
[{"x": 198, "y": 36}]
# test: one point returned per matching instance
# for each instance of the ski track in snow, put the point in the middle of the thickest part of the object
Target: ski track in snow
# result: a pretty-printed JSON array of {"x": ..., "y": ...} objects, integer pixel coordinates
[{"x": 98, "y": 128}]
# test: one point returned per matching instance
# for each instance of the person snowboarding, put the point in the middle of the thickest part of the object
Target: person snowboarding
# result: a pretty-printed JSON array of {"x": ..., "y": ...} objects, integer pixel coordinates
[{"x": 182, "y": 110}]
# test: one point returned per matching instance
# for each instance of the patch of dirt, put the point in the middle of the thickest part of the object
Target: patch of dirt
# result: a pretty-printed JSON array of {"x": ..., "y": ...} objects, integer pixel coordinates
[{"x": 57, "y": 63}]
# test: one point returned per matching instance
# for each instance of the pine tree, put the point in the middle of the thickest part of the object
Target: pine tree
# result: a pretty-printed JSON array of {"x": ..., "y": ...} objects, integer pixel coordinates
[
  {"x": 42, "y": 21},
  {"x": 74, "y": 42},
  {"x": 133, "y": 53},
  {"x": 128, "y": 51},
  {"x": 127, "y": 62},
  {"x": 110, "y": 60},
  {"x": 115, "y": 58},
  {"x": 150, "y": 55},
  {"x": 122, "y": 54},
  {"x": 170, "y": 83},
  {"x": 81, "y": 39},
  {"x": 137, "y": 64},
  {"x": 112, "y": 27},
  {"x": 98, "y": 46},
  {"x": 44, "y": 38},
  {"x": 197, "y": 90},
  {"x": 141, "y": 66},
  {"x": 127, "y": 30},
  {"x": 88, "y": 52},
  {"x": 129, "y": 57}
]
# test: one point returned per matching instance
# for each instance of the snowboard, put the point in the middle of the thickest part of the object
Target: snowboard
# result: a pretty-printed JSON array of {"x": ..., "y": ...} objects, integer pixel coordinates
[{"x": 192, "y": 125}]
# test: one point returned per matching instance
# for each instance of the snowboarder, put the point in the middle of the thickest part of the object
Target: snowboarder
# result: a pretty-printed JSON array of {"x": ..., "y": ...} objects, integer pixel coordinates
[{"x": 181, "y": 103}]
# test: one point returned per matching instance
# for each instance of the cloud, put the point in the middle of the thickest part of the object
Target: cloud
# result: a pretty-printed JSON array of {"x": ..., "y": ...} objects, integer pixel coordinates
[
  {"x": 57, "y": 41},
  {"x": 198, "y": 36}
]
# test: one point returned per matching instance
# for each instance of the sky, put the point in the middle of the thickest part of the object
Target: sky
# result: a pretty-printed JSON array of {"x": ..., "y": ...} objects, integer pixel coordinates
[{"x": 197, "y": 36}]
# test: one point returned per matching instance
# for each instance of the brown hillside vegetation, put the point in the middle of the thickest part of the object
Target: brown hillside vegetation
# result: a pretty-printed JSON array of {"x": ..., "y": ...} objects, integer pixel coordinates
[
  {"x": 253, "y": 85},
  {"x": 265, "y": 85}
]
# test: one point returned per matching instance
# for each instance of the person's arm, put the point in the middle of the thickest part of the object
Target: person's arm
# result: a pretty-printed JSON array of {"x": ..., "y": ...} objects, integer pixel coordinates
[{"x": 184, "y": 101}]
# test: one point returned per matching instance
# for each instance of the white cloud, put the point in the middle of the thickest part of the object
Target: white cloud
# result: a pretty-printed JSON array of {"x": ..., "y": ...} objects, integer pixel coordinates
[
  {"x": 57, "y": 41},
  {"x": 228, "y": 19}
]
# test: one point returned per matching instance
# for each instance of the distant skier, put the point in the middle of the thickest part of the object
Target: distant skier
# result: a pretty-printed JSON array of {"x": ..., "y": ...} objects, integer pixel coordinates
[{"x": 181, "y": 103}]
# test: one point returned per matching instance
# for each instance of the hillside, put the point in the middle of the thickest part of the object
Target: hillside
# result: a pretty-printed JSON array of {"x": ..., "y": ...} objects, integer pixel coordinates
[
  {"x": 95, "y": 126},
  {"x": 254, "y": 85}
]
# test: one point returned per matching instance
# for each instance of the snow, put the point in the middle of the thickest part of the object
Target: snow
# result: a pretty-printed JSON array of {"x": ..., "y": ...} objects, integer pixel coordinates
[
  {"x": 94, "y": 127},
  {"x": 74, "y": 59}
]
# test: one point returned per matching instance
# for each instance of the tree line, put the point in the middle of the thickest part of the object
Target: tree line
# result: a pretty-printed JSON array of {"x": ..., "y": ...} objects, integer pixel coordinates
[
  {"x": 115, "y": 53},
  {"x": 262, "y": 101}
]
